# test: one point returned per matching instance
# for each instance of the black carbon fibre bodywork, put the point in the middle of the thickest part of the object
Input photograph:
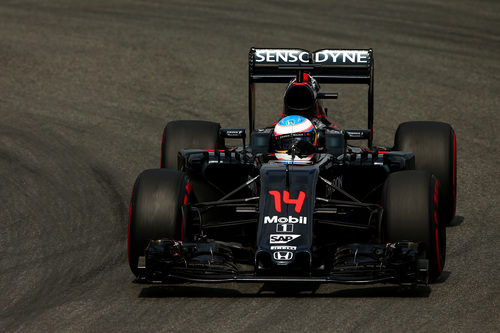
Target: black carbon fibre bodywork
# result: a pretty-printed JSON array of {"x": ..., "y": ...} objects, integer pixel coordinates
[{"x": 318, "y": 222}]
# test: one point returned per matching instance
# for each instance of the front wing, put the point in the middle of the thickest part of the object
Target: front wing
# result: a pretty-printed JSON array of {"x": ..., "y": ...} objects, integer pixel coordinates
[{"x": 168, "y": 261}]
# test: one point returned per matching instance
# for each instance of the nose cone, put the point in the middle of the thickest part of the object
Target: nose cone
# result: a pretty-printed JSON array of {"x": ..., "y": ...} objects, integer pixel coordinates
[{"x": 300, "y": 100}]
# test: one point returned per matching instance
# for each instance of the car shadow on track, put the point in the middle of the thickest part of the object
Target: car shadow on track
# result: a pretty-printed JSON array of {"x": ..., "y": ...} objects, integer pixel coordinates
[
  {"x": 442, "y": 278},
  {"x": 457, "y": 220},
  {"x": 283, "y": 290}
]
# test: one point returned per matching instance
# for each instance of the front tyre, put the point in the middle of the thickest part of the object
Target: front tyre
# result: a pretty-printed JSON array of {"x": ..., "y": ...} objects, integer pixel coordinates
[
  {"x": 411, "y": 201},
  {"x": 155, "y": 210}
]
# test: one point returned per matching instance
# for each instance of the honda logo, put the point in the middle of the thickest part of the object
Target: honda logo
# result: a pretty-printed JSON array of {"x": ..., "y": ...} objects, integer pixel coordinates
[{"x": 283, "y": 255}]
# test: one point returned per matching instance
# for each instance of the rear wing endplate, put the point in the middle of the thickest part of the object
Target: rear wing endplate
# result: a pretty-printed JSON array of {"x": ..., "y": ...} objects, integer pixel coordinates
[{"x": 326, "y": 66}]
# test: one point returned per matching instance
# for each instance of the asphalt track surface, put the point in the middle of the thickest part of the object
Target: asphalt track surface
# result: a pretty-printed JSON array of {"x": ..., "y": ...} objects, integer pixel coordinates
[{"x": 86, "y": 88}]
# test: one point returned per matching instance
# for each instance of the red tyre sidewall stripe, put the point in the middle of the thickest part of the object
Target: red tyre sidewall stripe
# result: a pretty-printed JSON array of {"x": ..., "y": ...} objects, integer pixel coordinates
[
  {"x": 188, "y": 188},
  {"x": 382, "y": 229},
  {"x": 130, "y": 219},
  {"x": 454, "y": 179},
  {"x": 161, "y": 153},
  {"x": 438, "y": 254},
  {"x": 436, "y": 225}
]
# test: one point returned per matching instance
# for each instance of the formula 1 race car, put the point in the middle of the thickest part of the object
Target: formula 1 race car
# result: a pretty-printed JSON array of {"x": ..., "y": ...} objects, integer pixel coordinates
[{"x": 299, "y": 202}]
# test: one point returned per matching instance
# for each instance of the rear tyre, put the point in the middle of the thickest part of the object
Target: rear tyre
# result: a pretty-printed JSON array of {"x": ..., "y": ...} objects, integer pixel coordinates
[
  {"x": 410, "y": 200},
  {"x": 186, "y": 134},
  {"x": 434, "y": 146},
  {"x": 155, "y": 210}
]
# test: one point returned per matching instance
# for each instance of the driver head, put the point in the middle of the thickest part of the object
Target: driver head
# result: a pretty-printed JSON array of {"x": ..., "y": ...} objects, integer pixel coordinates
[{"x": 294, "y": 131}]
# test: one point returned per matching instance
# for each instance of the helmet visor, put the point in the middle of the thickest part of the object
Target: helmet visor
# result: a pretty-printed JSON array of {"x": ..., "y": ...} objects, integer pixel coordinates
[{"x": 285, "y": 142}]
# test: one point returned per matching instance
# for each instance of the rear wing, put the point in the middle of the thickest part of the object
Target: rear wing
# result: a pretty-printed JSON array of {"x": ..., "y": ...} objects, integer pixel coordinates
[{"x": 326, "y": 66}]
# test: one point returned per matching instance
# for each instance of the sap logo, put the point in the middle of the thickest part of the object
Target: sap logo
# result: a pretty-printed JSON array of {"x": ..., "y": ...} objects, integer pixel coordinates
[
  {"x": 282, "y": 239},
  {"x": 283, "y": 219},
  {"x": 286, "y": 199},
  {"x": 283, "y": 247},
  {"x": 284, "y": 228},
  {"x": 283, "y": 255}
]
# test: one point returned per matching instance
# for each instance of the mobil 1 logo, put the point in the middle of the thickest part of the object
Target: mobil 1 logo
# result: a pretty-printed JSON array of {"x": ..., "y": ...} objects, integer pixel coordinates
[
  {"x": 284, "y": 219},
  {"x": 284, "y": 228}
]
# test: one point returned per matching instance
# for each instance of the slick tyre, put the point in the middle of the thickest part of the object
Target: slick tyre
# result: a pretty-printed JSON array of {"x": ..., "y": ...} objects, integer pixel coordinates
[
  {"x": 187, "y": 134},
  {"x": 155, "y": 210},
  {"x": 410, "y": 202},
  {"x": 434, "y": 146}
]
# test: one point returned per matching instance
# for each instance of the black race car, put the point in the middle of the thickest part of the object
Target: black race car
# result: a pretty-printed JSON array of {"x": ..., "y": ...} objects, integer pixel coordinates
[{"x": 300, "y": 202}]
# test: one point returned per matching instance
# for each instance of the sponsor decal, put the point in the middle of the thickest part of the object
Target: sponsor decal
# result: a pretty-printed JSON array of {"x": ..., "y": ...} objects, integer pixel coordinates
[
  {"x": 281, "y": 239},
  {"x": 284, "y": 227},
  {"x": 337, "y": 181},
  {"x": 356, "y": 134},
  {"x": 343, "y": 57},
  {"x": 234, "y": 132},
  {"x": 283, "y": 255},
  {"x": 284, "y": 219},
  {"x": 281, "y": 56},
  {"x": 283, "y": 247},
  {"x": 287, "y": 200}
]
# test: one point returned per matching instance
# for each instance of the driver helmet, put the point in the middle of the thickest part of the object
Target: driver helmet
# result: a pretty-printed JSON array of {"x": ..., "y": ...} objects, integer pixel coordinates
[{"x": 290, "y": 130}]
